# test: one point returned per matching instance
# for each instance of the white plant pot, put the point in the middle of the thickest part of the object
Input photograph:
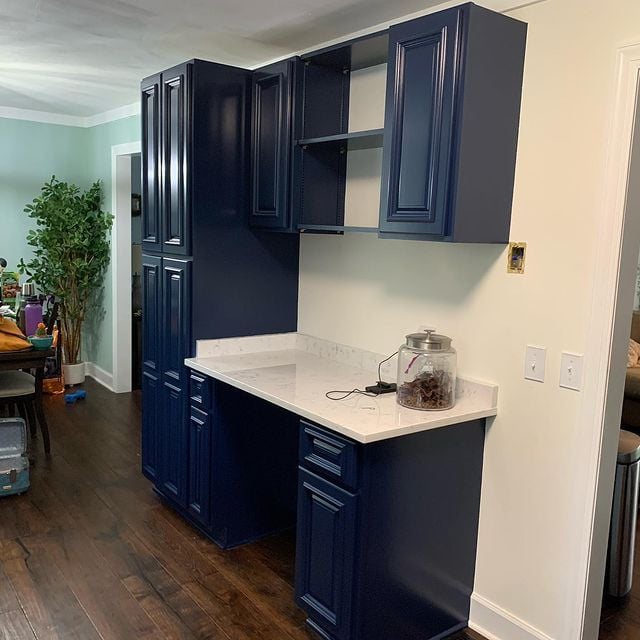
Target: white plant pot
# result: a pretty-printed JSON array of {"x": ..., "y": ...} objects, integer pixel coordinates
[{"x": 73, "y": 373}]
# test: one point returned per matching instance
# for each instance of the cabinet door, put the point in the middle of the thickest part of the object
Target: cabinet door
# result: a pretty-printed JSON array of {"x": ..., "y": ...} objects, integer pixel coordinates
[
  {"x": 175, "y": 217},
  {"x": 151, "y": 312},
  {"x": 172, "y": 472},
  {"x": 150, "y": 112},
  {"x": 325, "y": 553},
  {"x": 151, "y": 436},
  {"x": 420, "y": 103},
  {"x": 176, "y": 319},
  {"x": 272, "y": 109},
  {"x": 199, "y": 465}
]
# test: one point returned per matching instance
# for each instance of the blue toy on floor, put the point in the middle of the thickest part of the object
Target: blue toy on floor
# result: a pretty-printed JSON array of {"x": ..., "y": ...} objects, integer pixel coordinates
[
  {"x": 70, "y": 398},
  {"x": 14, "y": 465}
]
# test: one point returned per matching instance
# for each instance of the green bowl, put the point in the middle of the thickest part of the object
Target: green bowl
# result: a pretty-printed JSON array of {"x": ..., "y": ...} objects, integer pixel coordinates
[{"x": 40, "y": 343}]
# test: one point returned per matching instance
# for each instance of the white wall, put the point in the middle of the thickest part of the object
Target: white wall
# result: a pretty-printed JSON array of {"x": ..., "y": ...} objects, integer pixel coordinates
[{"x": 378, "y": 290}]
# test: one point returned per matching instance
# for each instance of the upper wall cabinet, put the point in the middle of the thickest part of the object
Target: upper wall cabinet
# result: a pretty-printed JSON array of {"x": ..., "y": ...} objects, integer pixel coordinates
[
  {"x": 165, "y": 107},
  {"x": 272, "y": 122},
  {"x": 175, "y": 217},
  {"x": 451, "y": 125},
  {"x": 150, "y": 111}
]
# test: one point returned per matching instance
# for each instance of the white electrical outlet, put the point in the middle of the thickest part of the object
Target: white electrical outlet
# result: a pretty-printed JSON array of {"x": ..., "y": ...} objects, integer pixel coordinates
[
  {"x": 571, "y": 371},
  {"x": 534, "y": 363}
]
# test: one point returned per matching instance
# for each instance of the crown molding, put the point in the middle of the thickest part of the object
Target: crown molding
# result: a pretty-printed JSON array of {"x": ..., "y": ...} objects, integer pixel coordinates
[
  {"x": 83, "y": 122},
  {"x": 113, "y": 114},
  {"x": 41, "y": 116}
]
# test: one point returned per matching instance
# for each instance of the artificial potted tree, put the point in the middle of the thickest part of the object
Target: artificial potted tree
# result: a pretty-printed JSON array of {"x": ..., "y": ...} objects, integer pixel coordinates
[{"x": 70, "y": 255}]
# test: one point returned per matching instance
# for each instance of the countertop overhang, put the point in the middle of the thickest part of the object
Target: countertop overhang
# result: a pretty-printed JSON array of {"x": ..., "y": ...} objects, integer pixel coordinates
[{"x": 295, "y": 371}]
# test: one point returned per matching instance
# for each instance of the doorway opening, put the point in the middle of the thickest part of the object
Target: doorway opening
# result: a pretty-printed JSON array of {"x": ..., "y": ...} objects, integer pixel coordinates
[
  {"x": 124, "y": 182},
  {"x": 615, "y": 276}
]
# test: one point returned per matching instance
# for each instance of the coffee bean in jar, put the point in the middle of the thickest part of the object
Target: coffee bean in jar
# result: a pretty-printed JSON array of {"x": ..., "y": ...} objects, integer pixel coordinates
[{"x": 427, "y": 372}]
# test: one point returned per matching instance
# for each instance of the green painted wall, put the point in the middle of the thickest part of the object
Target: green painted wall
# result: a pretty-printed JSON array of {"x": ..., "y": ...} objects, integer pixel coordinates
[
  {"x": 31, "y": 153},
  {"x": 99, "y": 328}
]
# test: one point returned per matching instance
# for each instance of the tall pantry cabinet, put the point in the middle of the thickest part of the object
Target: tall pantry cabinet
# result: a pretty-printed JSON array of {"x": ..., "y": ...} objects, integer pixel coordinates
[{"x": 206, "y": 273}]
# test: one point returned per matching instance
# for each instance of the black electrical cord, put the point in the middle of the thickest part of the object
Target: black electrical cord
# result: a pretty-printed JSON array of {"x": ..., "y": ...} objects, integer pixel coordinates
[
  {"x": 346, "y": 394},
  {"x": 380, "y": 368}
]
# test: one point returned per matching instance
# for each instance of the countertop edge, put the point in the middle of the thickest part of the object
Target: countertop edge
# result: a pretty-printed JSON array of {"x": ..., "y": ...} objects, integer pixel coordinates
[{"x": 436, "y": 423}]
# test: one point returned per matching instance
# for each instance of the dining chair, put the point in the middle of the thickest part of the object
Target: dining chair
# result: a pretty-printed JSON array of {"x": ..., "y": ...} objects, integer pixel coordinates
[{"x": 18, "y": 389}]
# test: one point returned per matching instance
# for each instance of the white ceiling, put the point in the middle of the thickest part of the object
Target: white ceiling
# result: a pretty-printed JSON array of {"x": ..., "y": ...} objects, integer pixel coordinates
[{"x": 82, "y": 57}]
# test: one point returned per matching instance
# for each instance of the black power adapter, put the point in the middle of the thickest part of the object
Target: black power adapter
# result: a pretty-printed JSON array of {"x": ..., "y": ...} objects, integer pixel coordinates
[{"x": 381, "y": 387}]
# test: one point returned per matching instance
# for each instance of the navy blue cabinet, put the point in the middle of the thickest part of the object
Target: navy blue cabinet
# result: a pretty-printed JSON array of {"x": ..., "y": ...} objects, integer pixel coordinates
[
  {"x": 271, "y": 129},
  {"x": 419, "y": 122},
  {"x": 199, "y": 464},
  {"x": 451, "y": 125},
  {"x": 176, "y": 95},
  {"x": 151, "y": 436},
  {"x": 172, "y": 474},
  {"x": 151, "y": 358},
  {"x": 151, "y": 312},
  {"x": 150, "y": 115},
  {"x": 176, "y": 324},
  {"x": 325, "y": 554},
  {"x": 206, "y": 273}
]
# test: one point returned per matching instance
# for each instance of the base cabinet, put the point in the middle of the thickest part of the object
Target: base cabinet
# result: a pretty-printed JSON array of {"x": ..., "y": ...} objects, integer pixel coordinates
[
  {"x": 199, "y": 487},
  {"x": 172, "y": 475},
  {"x": 150, "y": 425},
  {"x": 325, "y": 554}
]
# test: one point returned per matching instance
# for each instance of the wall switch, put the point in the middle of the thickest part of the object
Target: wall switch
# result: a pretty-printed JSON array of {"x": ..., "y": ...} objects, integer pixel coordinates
[
  {"x": 534, "y": 363},
  {"x": 571, "y": 371}
]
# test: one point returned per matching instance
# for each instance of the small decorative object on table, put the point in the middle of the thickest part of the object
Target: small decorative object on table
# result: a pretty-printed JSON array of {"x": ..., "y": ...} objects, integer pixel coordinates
[
  {"x": 427, "y": 372},
  {"x": 41, "y": 340}
]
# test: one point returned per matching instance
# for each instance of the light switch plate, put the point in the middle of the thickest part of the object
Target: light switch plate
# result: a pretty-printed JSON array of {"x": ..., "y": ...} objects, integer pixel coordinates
[
  {"x": 571, "y": 371},
  {"x": 534, "y": 363}
]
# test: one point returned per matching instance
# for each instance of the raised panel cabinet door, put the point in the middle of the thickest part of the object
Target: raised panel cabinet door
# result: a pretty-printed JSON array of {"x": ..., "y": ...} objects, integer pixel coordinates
[
  {"x": 176, "y": 98},
  {"x": 150, "y": 117},
  {"x": 419, "y": 119},
  {"x": 172, "y": 472},
  {"x": 325, "y": 554},
  {"x": 199, "y": 465},
  {"x": 176, "y": 319},
  {"x": 151, "y": 312},
  {"x": 272, "y": 113},
  {"x": 151, "y": 412}
]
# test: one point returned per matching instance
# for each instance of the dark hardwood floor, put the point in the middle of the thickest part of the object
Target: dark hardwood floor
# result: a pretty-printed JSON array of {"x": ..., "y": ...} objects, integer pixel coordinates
[
  {"x": 90, "y": 553},
  {"x": 621, "y": 617}
]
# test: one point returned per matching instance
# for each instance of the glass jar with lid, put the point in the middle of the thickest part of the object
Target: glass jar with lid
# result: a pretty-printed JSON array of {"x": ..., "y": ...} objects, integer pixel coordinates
[{"x": 427, "y": 372}]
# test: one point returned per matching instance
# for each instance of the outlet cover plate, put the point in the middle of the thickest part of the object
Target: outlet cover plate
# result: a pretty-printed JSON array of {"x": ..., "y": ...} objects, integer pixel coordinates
[
  {"x": 534, "y": 363},
  {"x": 571, "y": 371}
]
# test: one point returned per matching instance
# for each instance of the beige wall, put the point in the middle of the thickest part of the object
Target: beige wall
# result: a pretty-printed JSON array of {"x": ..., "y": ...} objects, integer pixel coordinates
[{"x": 369, "y": 292}]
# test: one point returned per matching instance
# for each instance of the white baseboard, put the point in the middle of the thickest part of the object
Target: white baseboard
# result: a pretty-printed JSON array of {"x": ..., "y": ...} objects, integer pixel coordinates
[
  {"x": 99, "y": 375},
  {"x": 494, "y": 623}
]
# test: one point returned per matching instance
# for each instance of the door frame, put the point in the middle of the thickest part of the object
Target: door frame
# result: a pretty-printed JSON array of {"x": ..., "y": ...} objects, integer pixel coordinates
[
  {"x": 614, "y": 276},
  {"x": 121, "y": 262}
]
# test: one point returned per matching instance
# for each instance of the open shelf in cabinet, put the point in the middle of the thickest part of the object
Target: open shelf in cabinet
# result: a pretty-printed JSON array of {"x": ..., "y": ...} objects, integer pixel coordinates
[
  {"x": 352, "y": 141},
  {"x": 339, "y": 137}
]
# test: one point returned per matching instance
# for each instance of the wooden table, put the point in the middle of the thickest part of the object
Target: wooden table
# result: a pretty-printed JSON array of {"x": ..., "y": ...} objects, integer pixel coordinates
[{"x": 28, "y": 359}]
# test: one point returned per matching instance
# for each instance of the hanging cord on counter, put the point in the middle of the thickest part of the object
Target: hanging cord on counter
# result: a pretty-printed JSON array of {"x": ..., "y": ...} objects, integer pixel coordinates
[{"x": 345, "y": 394}]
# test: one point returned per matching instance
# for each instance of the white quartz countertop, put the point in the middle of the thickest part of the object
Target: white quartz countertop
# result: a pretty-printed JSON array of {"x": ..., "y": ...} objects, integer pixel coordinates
[{"x": 295, "y": 372}]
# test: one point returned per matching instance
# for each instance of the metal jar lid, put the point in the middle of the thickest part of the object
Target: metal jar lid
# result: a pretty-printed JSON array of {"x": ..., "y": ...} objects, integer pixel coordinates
[{"x": 428, "y": 341}]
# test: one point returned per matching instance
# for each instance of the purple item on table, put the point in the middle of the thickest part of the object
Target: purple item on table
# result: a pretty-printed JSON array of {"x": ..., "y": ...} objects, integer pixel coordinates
[{"x": 32, "y": 316}]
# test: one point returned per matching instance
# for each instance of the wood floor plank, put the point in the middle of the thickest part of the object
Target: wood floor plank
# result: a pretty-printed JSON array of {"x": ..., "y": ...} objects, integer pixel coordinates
[
  {"x": 8, "y": 598},
  {"x": 15, "y": 626},
  {"x": 51, "y": 607},
  {"x": 94, "y": 584}
]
